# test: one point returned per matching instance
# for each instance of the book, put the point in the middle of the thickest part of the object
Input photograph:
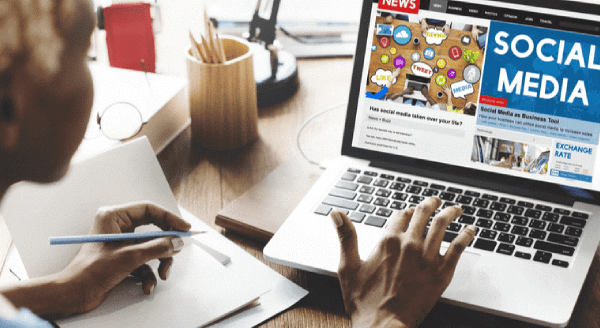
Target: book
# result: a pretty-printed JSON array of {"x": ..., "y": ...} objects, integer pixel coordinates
[
  {"x": 161, "y": 99},
  {"x": 260, "y": 211}
]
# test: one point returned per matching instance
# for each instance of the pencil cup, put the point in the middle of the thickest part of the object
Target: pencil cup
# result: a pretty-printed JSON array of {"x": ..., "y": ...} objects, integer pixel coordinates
[{"x": 223, "y": 104}]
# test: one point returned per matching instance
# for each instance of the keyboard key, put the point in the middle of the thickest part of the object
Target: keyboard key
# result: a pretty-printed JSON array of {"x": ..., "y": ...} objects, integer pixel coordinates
[
  {"x": 437, "y": 186},
  {"x": 483, "y": 223},
  {"x": 524, "y": 241},
  {"x": 448, "y": 204},
  {"x": 398, "y": 205},
  {"x": 560, "y": 263},
  {"x": 357, "y": 217},
  {"x": 387, "y": 176},
  {"x": 513, "y": 209},
  {"x": 384, "y": 212},
  {"x": 580, "y": 215},
  {"x": 485, "y": 244},
  {"x": 520, "y": 230},
  {"x": 366, "y": 190},
  {"x": 383, "y": 193},
  {"x": 399, "y": 196},
  {"x": 349, "y": 176},
  {"x": 504, "y": 227},
  {"x": 414, "y": 189},
  {"x": 364, "y": 179},
  {"x": 552, "y": 217},
  {"x": 537, "y": 224},
  {"x": 342, "y": 193},
  {"x": 397, "y": 186},
  {"x": 568, "y": 220},
  {"x": 472, "y": 193},
  {"x": 519, "y": 220},
  {"x": 420, "y": 183},
  {"x": 502, "y": 217},
  {"x": 430, "y": 192},
  {"x": 543, "y": 208},
  {"x": 543, "y": 257},
  {"x": 449, "y": 236},
  {"x": 346, "y": 185},
  {"x": 370, "y": 173},
  {"x": 489, "y": 197},
  {"x": 338, "y": 202},
  {"x": 562, "y": 239},
  {"x": 485, "y": 213},
  {"x": 404, "y": 180},
  {"x": 365, "y": 199},
  {"x": 381, "y": 202},
  {"x": 535, "y": 214},
  {"x": 537, "y": 234},
  {"x": 323, "y": 209},
  {"x": 498, "y": 206},
  {"x": 506, "y": 238},
  {"x": 488, "y": 234},
  {"x": 455, "y": 190},
  {"x": 447, "y": 196},
  {"x": 381, "y": 183},
  {"x": 483, "y": 203},
  {"x": 416, "y": 199},
  {"x": 508, "y": 201},
  {"x": 522, "y": 255},
  {"x": 353, "y": 170},
  {"x": 505, "y": 249},
  {"x": 367, "y": 209},
  {"x": 466, "y": 219},
  {"x": 525, "y": 204},
  {"x": 454, "y": 227},
  {"x": 464, "y": 199},
  {"x": 554, "y": 227},
  {"x": 554, "y": 248},
  {"x": 575, "y": 232},
  {"x": 375, "y": 221},
  {"x": 469, "y": 210},
  {"x": 561, "y": 211}
]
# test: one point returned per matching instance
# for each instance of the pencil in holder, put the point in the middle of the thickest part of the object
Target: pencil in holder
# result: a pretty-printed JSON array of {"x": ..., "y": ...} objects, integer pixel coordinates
[{"x": 223, "y": 105}]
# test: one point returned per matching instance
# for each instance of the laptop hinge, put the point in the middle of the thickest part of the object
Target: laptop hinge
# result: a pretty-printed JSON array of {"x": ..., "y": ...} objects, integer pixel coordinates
[{"x": 523, "y": 189}]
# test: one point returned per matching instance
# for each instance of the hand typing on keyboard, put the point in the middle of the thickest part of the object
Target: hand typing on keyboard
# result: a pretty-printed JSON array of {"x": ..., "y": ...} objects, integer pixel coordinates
[{"x": 398, "y": 285}]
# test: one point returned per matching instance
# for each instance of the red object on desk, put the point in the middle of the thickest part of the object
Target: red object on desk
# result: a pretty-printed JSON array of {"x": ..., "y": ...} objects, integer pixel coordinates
[{"x": 129, "y": 36}]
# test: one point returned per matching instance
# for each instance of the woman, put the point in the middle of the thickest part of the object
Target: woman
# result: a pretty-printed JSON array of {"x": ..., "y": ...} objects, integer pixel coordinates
[{"x": 45, "y": 103}]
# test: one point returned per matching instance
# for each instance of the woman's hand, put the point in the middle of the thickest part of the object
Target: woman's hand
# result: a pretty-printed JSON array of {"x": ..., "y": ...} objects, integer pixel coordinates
[
  {"x": 98, "y": 267},
  {"x": 398, "y": 285}
]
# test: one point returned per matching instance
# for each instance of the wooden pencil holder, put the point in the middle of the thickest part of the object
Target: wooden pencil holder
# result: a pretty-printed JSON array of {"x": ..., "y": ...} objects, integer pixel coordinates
[{"x": 223, "y": 105}]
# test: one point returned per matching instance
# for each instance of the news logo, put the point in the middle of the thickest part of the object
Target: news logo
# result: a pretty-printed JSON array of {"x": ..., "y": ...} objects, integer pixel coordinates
[{"x": 403, "y": 6}]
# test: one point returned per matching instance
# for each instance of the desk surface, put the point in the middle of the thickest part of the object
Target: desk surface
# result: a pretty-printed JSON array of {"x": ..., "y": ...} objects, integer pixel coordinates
[{"x": 204, "y": 182}]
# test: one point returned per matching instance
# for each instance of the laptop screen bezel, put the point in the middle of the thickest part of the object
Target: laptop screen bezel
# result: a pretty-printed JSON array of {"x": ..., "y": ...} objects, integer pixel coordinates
[{"x": 477, "y": 178}]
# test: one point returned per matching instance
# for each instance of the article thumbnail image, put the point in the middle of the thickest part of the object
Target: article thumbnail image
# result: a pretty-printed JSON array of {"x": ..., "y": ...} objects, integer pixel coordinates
[
  {"x": 426, "y": 62},
  {"x": 510, "y": 155}
]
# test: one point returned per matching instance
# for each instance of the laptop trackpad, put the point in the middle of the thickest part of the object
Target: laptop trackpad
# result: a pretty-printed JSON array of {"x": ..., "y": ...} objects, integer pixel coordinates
[{"x": 464, "y": 275}]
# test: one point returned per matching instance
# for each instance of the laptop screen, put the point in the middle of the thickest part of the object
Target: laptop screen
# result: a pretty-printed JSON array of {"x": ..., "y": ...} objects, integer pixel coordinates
[{"x": 491, "y": 90}]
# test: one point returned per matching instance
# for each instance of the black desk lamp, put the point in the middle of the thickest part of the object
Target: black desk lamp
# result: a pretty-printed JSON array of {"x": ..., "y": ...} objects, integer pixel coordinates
[{"x": 275, "y": 71}]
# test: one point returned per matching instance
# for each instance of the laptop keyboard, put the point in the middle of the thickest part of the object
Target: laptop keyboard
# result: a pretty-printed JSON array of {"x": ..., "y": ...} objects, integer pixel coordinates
[{"x": 506, "y": 226}]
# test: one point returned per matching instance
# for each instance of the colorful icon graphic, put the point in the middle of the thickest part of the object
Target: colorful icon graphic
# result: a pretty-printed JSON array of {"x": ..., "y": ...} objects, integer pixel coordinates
[
  {"x": 455, "y": 52},
  {"x": 393, "y": 50},
  {"x": 465, "y": 40},
  {"x": 385, "y": 59},
  {"x": 451, "y": 73},
  {"x": 441, "y": 79},
  {"x": 374, "y": 47},
  {"x": 402, "y": 35},
  {"x": 472, "y": 74},
  {"x": 429, "y": 53},
  {"x": 436, "y": 69},
  {"x": 399, "y": 62},
  {"x": 384, "y": 42},
  {"x": 384, "y": 29},
  {"x": 415, "y": 56},
  {"x": 441, "y": 63}
]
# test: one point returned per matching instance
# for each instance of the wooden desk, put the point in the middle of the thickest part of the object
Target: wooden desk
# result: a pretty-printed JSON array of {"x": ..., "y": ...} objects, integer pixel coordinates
[{"x": 204, "y": 182}]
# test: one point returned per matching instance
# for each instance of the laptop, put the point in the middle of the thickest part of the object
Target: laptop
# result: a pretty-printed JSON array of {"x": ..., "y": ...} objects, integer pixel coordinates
[{"x": 517, "y": 149}]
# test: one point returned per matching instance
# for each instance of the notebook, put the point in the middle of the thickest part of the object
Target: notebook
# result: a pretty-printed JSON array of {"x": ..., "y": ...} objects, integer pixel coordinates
[{"x": 512, "y": 138}]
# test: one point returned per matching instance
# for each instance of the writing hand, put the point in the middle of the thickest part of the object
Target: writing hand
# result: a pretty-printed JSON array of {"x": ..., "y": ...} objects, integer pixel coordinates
[
  {"x": 398, "y": 285},
  {"x": 98, "y": 267}
]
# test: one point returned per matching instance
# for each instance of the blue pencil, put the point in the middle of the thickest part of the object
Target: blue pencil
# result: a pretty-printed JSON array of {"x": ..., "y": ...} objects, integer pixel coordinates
[{"x": 119, "y": 237}]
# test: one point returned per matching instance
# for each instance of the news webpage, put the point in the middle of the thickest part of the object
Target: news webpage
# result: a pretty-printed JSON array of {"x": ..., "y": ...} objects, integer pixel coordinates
[{"x": 500, "y": 87}]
